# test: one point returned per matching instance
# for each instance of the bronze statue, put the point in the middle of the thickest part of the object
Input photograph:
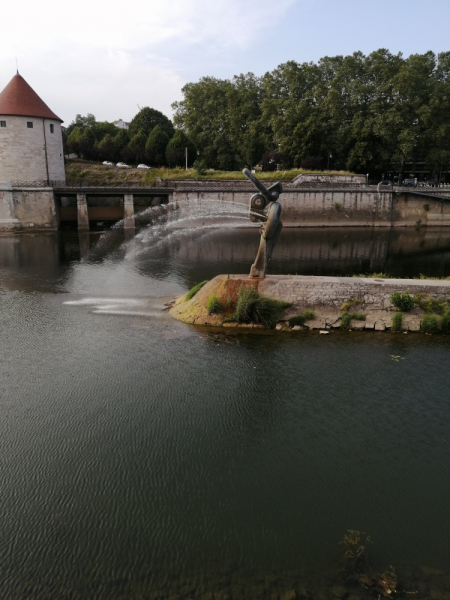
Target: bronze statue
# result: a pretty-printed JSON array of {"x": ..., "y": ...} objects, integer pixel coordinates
[{"x": 265, "y": 208}]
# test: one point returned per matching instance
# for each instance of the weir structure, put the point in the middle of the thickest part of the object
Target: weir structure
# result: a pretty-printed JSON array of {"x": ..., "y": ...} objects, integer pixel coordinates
[{"x": 308, "y": 201}]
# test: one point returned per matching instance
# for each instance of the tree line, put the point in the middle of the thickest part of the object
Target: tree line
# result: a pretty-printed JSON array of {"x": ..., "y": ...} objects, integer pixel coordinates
[
  {"x": 367, "y": 114},
  {"x": 360, "y": 113},
  {"x": 151, "y": 138}
]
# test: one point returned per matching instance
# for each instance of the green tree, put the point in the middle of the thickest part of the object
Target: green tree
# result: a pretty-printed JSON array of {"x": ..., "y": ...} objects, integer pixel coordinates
[
  {"x": 73, "y": 141},
  {"x": 121, "y": 141},
  {"x": 176, "y": 150},
  {"x": 146, "y": 119},
  {"x": 107, "y": 148},
  {"x": 155, "y": 146},
  {"x": 204, "y": 115},
  {"x": 136, "y": 147},
  {"x": 81, "y": 122},
  {"x": 102, "y": 128},
  {"x": 86, "y": 144}
]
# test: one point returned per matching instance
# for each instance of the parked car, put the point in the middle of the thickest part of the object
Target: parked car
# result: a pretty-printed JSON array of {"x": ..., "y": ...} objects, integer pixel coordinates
[
  {"x": 142, "y": 166},
  {"x": 122, "y": 165},
  {"x": 409, "y": 181},
  {"x": 106, "y": 162}
]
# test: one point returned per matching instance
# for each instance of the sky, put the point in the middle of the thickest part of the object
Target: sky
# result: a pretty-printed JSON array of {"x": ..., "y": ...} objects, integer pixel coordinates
[{"x": 110, "y": 58}]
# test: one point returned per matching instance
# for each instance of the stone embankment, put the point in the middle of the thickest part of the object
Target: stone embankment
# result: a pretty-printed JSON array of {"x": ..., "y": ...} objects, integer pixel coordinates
[{"x": 326, "y": 296}]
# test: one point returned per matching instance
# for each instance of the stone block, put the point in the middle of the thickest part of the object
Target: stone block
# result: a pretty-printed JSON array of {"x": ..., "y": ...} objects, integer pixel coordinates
[
  {"x": 413, "y": 324},
  {"x": 380, "y": 325},
  {"x": 318, "y": 323},
  {"x": 369, "y": 323},
  {"x": 230, "y": 325},
  {"x": 358, "y": 324}
]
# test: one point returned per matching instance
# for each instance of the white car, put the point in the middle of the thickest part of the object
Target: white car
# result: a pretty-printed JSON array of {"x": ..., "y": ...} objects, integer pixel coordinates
[
  {"x": 142, "y": 166},
  {"x": 106, "y": 162},
  {"x": 122, "y": 165}
]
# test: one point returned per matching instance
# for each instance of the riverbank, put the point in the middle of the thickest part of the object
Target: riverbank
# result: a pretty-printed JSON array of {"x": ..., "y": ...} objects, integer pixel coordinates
[
  {"x": 98, "y": 174},
  {"x": 322, "y": 303}
]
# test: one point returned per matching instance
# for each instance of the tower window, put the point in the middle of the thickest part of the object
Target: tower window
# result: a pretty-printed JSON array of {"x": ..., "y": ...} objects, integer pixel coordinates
[
  {"x": 52, "y": 128},
  {"x": 2, "y": 123},
  {"x": 30, "y": 124}
]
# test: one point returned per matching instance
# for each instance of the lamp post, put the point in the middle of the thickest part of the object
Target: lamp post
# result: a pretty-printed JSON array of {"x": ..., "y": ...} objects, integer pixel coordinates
[{"x": 328, "y": 162}]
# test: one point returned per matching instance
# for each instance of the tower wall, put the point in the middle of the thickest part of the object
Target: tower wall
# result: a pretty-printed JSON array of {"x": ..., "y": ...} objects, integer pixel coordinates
[{"x": 22, "y": 149}]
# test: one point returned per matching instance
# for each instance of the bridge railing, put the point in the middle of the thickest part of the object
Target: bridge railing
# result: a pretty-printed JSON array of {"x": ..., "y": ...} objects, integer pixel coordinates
[{"x": 55, "y": 183}]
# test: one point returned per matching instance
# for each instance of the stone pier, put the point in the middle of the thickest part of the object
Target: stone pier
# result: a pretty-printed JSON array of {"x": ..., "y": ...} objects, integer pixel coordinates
[
  {"x": 8, "y": 222},
  {"x": 128, "y": 211},
  {"x": 82, "y": 212},
  {"x": 326, "y": 296}
]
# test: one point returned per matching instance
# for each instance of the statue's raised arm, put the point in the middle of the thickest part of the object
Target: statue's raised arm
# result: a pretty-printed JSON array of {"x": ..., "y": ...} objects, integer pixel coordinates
[{"x": 264, "y": 207}]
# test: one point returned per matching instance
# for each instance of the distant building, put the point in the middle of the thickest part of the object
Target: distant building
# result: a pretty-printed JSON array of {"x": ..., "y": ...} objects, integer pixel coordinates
[
  {"x": 121, "y": 124},
  {"x": 31, "y": 147}
]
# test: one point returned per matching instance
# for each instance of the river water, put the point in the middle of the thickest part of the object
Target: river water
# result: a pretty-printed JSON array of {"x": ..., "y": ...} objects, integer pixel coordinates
[{"x": 144, "y": 458}]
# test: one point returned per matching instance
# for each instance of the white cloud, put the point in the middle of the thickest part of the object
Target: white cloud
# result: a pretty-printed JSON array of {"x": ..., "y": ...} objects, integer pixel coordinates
[{"x": 107, "y": 57}]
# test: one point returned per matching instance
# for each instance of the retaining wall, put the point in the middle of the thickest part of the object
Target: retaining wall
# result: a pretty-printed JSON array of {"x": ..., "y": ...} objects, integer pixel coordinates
[{"x": 357, "y": 206}]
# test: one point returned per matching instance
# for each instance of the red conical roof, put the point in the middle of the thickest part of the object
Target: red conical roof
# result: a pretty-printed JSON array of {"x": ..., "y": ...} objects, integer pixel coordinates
[{"x": 19, "y": 99}]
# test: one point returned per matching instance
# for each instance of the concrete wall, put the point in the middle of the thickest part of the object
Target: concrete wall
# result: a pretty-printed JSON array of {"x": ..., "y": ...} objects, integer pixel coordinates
[
  {"x": 23, "y": 150},
  {"x": 412, "y": 210},
  {"x": 324, "y": 178},
  {"x": 333, "y": 291},
  {"x": 313, "y": 207},
  {"x": 35, "y": 208},
  {"x": 307, "y": 207}
]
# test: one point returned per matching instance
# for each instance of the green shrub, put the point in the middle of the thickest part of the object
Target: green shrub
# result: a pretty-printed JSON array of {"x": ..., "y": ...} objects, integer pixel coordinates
[
  {"x": 397, "y": 321},
  {"x": 346, "y": 319},
  {"x": 297, "y": 320},
  {"x": 309, "y": 314},
  {"x": 194, "y": 290},
  {"x": 300, "y": 319},
  {"x": 404, "y": 302},
  {"x": 214, "y": 305},
  {"x": 445, "y": 322},
  {"x": 430, "y": 304},
  {"x": 251, "y": 306},
  {"x": 229, "y": 302},
  {"x": 430, "y": 324},
  {"x": 358, "y": 316}
]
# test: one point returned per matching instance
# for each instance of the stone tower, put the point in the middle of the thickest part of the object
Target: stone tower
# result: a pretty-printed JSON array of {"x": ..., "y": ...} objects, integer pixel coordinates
[{"x": 31, "y": 148}]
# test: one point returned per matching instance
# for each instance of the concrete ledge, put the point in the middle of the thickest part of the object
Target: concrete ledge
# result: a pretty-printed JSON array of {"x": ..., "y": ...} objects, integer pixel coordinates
[{"x": 10, "y": 224}]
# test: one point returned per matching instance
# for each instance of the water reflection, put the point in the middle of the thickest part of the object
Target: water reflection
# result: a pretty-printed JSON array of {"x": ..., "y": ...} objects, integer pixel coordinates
[{"x": 194, "y": 253}]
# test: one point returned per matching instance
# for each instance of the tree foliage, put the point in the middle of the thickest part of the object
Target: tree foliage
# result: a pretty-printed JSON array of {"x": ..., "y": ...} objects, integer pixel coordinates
[
  {"x": 367, "y": 112},
  {"x": 147, "y": 118},
  {"x": 155, "y": 147},
  {"x": 176, "y": 150}
]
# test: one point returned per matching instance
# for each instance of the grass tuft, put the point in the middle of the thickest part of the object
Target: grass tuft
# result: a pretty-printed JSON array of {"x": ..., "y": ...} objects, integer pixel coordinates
[
  {"x": 214, "y": 305},
  {"x": 430, "y": 304},
  {"x": 194, "y": 290},
  {"x": 430, "y": 324},
  {"x": 397, "y": 321},
  {"x": 373, "y": 275},
  {"x": 300, "y": 319},
  {"x": 445, "y": 322},
  {"x": 346, "y": 319},
  {"x": 253, "y": 307}
]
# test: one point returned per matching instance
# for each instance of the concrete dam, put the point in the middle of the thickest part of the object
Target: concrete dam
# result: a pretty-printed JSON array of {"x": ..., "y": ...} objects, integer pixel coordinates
[{"x": 308, "y": 201}]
